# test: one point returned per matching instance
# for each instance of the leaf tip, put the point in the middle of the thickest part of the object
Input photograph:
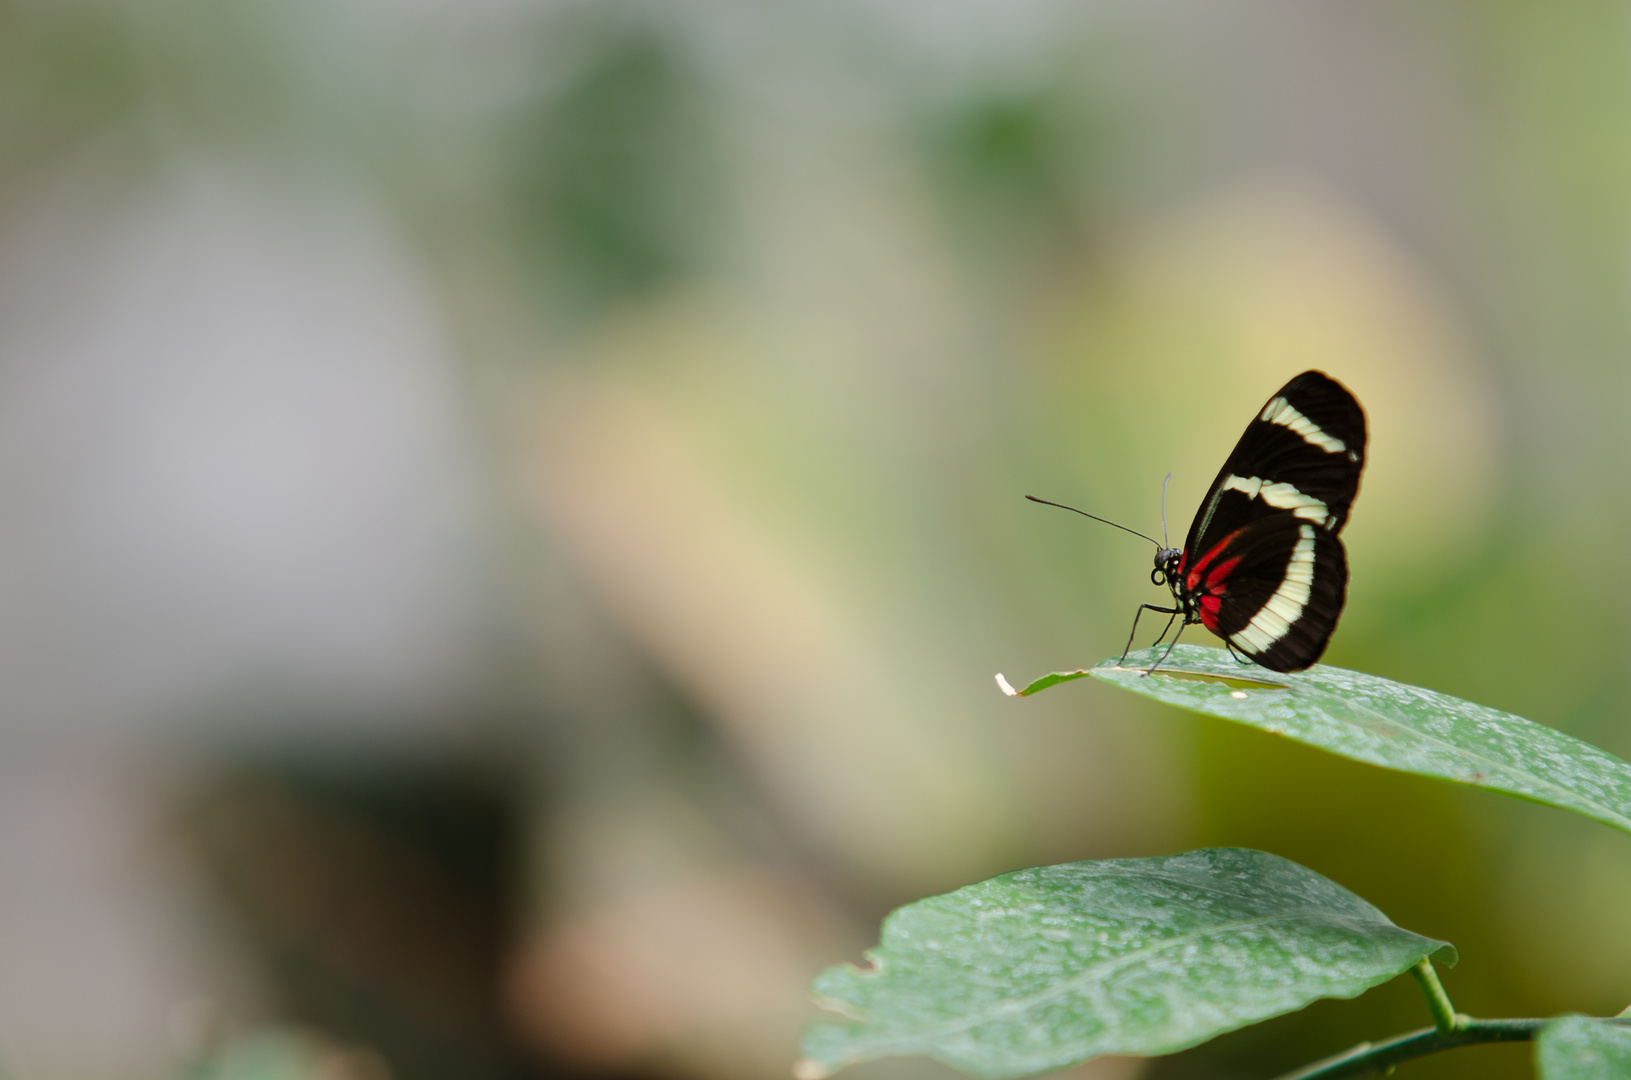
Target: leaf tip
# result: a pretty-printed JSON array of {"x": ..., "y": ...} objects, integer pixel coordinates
[
  {"x": 805, "y": 1069},
  {"x": 1005, "y": 687}
]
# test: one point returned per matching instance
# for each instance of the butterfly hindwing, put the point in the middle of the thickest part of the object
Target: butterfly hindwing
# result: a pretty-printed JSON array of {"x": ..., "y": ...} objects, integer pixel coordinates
[{"x": 1272, "y": 588}]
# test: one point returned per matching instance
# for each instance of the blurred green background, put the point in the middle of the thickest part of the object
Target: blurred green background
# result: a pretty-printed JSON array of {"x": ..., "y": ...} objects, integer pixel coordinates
[{"x": 510, "y": 509}]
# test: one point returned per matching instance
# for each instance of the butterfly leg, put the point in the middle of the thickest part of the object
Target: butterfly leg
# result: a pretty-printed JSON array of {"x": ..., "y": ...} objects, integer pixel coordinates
[
  {"x": 1136, "y": 615},
  {"x": 1170, "y": 647},
  {"x": 1162, "y": 636}
]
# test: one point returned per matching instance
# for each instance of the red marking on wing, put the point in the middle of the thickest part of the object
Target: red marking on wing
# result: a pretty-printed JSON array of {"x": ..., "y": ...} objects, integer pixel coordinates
[
  {"x": 1220, "y": 574},
  {"x": 1193, "y": 579},
  {"x": 1210, "y": 606}
]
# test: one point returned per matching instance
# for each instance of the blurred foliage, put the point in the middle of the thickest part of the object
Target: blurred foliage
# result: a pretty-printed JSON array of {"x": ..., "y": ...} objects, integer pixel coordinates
[
  {"x": 1013, "y": 169},
  {"x": 67, "y": 73},
  {"x": 617, "y": 182}
]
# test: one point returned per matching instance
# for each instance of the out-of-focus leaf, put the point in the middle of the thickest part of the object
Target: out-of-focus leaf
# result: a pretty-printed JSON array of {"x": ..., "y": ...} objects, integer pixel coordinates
[
  {"x": 1584, "y": 1048},
  {"x": 617, "y": 176},
  {"x": 1041, "y": 968},
  {"x": 1390, "y": 724},
  {"x": 263, "y": 1054}
]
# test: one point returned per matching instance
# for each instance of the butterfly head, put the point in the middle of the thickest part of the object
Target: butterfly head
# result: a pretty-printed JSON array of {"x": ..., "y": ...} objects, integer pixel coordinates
[{"x": 1166, "y": 565}]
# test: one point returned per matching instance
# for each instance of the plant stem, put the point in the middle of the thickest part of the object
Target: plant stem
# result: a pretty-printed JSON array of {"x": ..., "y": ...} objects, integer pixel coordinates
[
  {"x": 1368, "y": 1059},
  {"x": 1445, "y": 1018}
]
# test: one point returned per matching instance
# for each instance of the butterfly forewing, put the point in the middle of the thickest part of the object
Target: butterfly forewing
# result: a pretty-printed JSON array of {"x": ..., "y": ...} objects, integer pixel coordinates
[{"x": 1301, "y": 453}]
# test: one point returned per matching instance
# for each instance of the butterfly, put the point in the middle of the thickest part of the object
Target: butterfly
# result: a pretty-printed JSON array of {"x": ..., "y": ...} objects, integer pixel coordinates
[{"x": 1262, "y": 566}]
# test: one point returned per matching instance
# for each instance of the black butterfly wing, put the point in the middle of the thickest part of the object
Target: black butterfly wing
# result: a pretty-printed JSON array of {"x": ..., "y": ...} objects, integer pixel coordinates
[
  {"x": 1302, "y": 453},
  {"x": 1262, "y": 558},
  {"x": 1273, "y": 589}
]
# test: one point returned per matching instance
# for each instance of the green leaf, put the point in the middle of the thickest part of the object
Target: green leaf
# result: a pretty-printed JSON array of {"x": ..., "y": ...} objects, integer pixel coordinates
[
  {"x": 1583, "y": 1048},
  {"x": 1390, "y": 724},
  {"x": 266, "y": 1053},
  {"x": 1043, "y": 683},
  {"x": 1042, "y": 968}
]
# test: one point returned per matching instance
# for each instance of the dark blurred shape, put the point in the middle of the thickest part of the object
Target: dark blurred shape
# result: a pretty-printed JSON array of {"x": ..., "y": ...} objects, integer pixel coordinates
[
  {"x": 616, "y": 176},
  {"x": 377, "y": 900}
]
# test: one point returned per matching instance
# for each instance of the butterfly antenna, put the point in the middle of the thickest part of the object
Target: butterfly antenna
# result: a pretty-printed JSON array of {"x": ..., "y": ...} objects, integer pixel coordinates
[
  {"x": 1095, "y": 517},
  {"x": 1164, "y": 484}
]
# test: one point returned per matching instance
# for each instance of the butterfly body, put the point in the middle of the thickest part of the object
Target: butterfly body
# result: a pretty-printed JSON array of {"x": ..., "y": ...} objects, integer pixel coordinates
[{"x": 1262, "y": 566}]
